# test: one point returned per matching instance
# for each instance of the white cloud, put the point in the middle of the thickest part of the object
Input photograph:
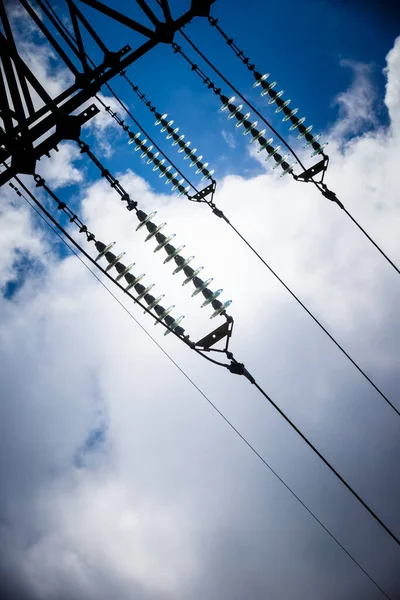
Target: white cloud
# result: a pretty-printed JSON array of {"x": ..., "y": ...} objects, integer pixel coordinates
[
  {"x": 171, "y": 495},
  {"x": 59, "y": 169},
  {"x": 356, "y": 105},
  {"x": 229, "y": 138},
  {"x": 392, "y": 98}
]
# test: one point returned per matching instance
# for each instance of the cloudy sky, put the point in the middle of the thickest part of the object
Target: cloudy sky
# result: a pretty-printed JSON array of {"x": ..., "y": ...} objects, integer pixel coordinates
[{"x": 117, "y": 477}]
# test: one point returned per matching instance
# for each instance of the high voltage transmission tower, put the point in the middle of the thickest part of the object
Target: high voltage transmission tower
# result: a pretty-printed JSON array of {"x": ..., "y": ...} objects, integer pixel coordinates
[{"x": 33, "y": 123}]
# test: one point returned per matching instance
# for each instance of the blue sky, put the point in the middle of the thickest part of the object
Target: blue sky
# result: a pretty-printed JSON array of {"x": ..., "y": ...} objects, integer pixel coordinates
[
  {"x": 118, "y": 479},
  {"x": 296, "y": 45}
]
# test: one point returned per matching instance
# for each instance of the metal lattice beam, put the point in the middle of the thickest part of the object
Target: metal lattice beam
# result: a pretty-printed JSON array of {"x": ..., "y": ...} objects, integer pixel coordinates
[{"x": 22, "y": 124}]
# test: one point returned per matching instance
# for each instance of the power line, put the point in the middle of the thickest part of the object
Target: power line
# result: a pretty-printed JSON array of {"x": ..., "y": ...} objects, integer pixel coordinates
[
  {"x": 321, "y": 187},
  {"x": 239, "y": 369},
  {"x": 129, "y": 113},
  {"x": 213, "y": 406},
  {"x": 242, "y": 371},
  {"x": 221, "y": 214},
  {"x": 314, "y": 318}
]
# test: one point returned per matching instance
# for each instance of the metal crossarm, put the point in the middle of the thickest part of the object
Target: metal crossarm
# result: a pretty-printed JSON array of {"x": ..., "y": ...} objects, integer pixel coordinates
[{"x": 21, "y": 123}]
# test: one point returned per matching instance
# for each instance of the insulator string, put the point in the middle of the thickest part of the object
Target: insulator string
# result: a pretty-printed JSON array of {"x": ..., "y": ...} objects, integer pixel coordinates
[
  {"x": 255, "y": 452},
  {"x": 172, "y": 133},
  {"x": 320, "y": 325},
  {"x": 268, "y": 88},
  {"x": 173, "y": 253},
  {"x": 122, "y": 124},
  {"x": 238, "y": 368},
  {"x": 219, "y": 213},
  {"x": 113, "y": 260},
  {"x": 207, "y": 81},
  {"x": 235, "y": 112},
  {"x": 319, "y": 185}
]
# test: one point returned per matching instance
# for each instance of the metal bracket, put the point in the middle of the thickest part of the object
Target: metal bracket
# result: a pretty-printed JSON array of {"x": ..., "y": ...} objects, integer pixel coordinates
[
  {"x": 210, "y": 189},
  {"x": 67, "y": 128},
  {"x": 215, "y": 336},
  {"x": 312, "y": 171}
]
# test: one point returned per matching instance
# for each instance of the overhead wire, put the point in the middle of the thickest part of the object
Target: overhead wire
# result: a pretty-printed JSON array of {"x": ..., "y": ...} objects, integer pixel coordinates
[
  {"x": 169, "y": 357},
  {"x": 238, "y": 368},
  {"x": 320, "y": 325},
  {"x": 327, "y": 464},
  {"x": 71, "y": 41},
  {"x": 321, "y": 457},
  {"x": 129, "y": 113},
  {"x": 321, "y": 187}
]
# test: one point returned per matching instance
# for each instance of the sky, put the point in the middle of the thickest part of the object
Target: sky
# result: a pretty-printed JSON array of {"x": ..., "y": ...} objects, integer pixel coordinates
[{"x": 117, "y": 477}]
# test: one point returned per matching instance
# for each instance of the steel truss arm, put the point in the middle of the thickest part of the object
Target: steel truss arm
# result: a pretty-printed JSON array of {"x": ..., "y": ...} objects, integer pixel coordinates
[{"x": 21, "y": 124}]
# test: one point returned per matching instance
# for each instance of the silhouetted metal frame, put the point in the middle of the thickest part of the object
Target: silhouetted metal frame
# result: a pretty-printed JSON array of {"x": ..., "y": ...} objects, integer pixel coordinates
[{"x": 22, "y": 126}]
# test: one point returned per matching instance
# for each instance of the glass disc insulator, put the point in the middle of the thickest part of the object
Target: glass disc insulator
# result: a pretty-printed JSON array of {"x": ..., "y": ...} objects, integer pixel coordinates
[
  {"x": 124, "y": 272},
  {"x": 174, "y": 253},
  {"x": 315, "y": 139},
  {"x": 208, "y": 175},
  {"x": 153, "y": 233},
  {"x": 275, "y": 151},
  {"x": 202, "y": 168},
  {"x": 290, "y": 115},
  {"x": 114, "y": 262},
  {"x": 177, "y": 185},
  {"x": 243, "y": 119},
  {"x": 230, "y": 101},
  {"x": 165, "y": 313},
  {"x": 270, "y": 87},
  {"x": 295, "y": 125},
  {"x": 145, "y": 291},
  {"x": 221, "y": 309},
  {"x": 184, "y": 191},
  {"x": 169, "y": 136},
  {"x": 202, "y": 287},
  {"x": 153, "y": 158},
  {"x": 174, "y": 324},
  {"x": 309, "y": 128},
  {"x": 106, "y": 249},
  {"x": 150, "y": 216},
  {"x": 196, "y": 159},
  {"x": 281, "y": 160},
  {"x": 237, "y": 109},
  {"x": 259, "y": 134},
  {"x": 183, "y": 147},
  {"x": 320, "y": 149},
  {"x": 284, "y": 105},
  {"x": 250, "y": 127},
  {"x": 158, "y": 122},
  {"x": 157, "y": 166},
  {"x": 180, "y": 138},
  {"x": 165, "y": 171},
  {"x": 140, "y": 146},
  {"x": 194, "y": 274},
  {"x": 212, "y": 297},
  {"x": 183, "y": 265},
  {"x": 135, "y": 137},
  {"x": 278, "y": 95},
  {"x": 128, "y": 287},
  {"x": 267, "y": 142},
  {"x": 190, "y": 154},
  {"x": 289, "y": 169},
  {"x": 166, "y": 126},
  {"x": 262, "y": 78},
  {"x": 155, "y": 302},
  {"x": 171, "y": 178},
  {"x": 165, "y": 242},
  {"x": 146, "y": 151}
]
